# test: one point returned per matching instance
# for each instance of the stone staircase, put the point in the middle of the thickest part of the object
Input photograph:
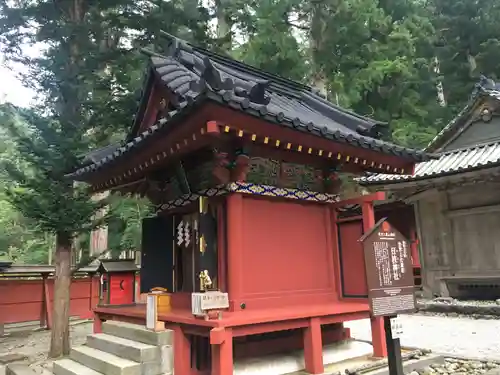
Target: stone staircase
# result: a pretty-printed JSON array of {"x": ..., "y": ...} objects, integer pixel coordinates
[{"x": 121, "y": 349}]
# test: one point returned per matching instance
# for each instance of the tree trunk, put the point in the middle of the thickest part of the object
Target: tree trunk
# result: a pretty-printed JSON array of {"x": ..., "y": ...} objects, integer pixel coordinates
[
  {"x": 59, "y": 341},
  {"x": 316, "y": 40},
  {"x": 224, "y": 25}
]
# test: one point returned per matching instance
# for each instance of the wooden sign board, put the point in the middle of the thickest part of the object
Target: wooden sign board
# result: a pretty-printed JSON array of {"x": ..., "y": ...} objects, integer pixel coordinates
[
  {"x": 389, "y": 270},
  {"x": 151, "y": 312},
  {"x": 212, "y": 300}
]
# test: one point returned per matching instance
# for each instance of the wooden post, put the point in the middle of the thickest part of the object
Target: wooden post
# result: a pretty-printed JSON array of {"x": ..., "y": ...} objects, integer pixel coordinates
[
  {"x": 91, "y": 291},
  {"x": 182, "y": 352},
  {"x": 313, "y": 347},
  {"x": 47, "y": 302},
  {"x": 394, "y": 350},
  {"x": 43, "y": 309},
  {"x": 97, "y": 323},
  {"x": 377, "y": 324},
  {"x": 234, "y": 249},
  {"x": 221, "y": 340}
]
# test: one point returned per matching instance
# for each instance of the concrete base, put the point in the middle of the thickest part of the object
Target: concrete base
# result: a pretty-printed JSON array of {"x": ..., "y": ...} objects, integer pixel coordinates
[{"x": 294, "y": 362}]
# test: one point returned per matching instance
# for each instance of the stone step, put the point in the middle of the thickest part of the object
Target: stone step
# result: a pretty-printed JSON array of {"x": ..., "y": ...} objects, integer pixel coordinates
[
  {"x": 67, "y": 366},
  {"x": 19, "y": 369},
  {"x": 138, "y": 333},
  {"x": 124, "y": 348},
  {"x": 105, "y": 363}
]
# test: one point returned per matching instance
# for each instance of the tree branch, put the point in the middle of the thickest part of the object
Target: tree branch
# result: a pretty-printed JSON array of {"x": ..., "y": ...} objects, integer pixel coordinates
[{"x": 87, "y": 260}]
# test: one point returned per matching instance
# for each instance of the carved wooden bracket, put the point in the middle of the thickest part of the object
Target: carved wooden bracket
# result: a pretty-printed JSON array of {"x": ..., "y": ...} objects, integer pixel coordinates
[
  {"x": 221, "y": 169},
  {"x": 241, "y": 167}
]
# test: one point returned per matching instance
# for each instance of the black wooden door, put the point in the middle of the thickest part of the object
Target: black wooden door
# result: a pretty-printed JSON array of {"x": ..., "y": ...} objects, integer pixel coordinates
[{"x": 157, "y": 259}]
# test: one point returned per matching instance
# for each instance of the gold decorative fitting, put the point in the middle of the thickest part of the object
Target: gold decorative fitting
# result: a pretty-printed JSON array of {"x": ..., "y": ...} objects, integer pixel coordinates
[
  {"x": 240, "y": 133},
  {"x": 380, "y": 166},
  {"x": 330, "y": 154},
  {"x": 347, "y": 158},
  {"x": 356, "y": 160},
  {"x": 339, "y": 156},
  {"x": 364, "y": 161},
  {"x": 202, "y": 131},
  {"x": 254, "y": 137},
  {"x": 372, "y": 164},
  {"x": 194, "y": 137},
  {"x": 310, "y": 150},
  {"x": 266, "y": 140},
  {"x": 178, "y": 146},
  {"x": 388, "y": 168},
  {"x": 171, "y": 150},
  {"x": 203, "y": 245},
  {"x": 226, "y": 129},
  {"x": 205, "y": 280},
  {"x": 278, "y": 143},
  {"x": 288, "y": 146},
  {"x": 299, "y": 148},
  {"x": 140, "y": 167},
  {"x": 185, "y": 142},
  {"x": 320, "y": 152},
  {"x": 396, "y": 170},
  {"x": 164, "y": 154}
]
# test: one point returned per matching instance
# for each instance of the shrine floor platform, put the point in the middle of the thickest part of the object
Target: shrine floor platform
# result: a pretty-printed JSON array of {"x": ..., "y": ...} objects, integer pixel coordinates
[{"x": 288, "y": 318}]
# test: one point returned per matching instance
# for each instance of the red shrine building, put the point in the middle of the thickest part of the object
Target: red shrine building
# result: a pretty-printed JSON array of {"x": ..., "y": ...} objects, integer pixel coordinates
[{"x": 243, "y": 167}]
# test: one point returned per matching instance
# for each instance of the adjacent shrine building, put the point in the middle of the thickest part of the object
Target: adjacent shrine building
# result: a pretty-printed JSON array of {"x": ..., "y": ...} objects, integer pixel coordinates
[
  {"x": 243, "y": 168},
  {"x": 457, "y": 202}
]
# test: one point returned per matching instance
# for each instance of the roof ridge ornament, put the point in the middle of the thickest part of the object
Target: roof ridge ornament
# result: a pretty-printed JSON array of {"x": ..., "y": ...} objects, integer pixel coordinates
[
  {"x": 213, "y": 77},
  {"x": 175, "y": 44}
]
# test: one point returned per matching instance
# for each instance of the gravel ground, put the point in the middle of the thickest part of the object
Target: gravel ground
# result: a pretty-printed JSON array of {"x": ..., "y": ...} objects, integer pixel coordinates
[
  {"x": 455, "y": 366},
  {"x": 471, "y": 338},
  {"x": 35, "y": 345}
]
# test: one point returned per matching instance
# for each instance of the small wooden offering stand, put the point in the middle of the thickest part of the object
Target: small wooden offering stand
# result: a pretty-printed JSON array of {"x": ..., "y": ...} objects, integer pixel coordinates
[{"x": 243, "y": 167}]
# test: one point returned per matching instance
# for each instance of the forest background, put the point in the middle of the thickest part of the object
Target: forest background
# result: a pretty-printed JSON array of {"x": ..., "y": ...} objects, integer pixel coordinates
[{"x": 412, "y": 63}]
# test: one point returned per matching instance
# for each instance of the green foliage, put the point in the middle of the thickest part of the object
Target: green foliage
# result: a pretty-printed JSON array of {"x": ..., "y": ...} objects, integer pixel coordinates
[{"x": 374, "y": 56}]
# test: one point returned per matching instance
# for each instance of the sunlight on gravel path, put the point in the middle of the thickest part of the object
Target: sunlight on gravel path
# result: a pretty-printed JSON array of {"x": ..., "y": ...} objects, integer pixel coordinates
[{"x": 454, "y": 336}]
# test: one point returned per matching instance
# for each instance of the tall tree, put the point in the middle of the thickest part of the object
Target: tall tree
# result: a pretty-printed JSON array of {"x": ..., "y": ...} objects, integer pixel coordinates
[
  {"x": 282, "y": 54},
  {"x": 86, "y": 76},
  {"x": 468, "y": 44}
]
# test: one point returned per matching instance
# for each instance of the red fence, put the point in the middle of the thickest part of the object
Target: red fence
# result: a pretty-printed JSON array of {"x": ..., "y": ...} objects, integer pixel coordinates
[{"x": 27, "y": 300}]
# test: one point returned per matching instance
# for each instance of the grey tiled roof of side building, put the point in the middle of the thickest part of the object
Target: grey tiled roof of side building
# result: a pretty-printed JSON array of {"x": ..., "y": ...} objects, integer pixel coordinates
[
  {"x": 451, "y": 162},
  {"x": 194, "y": 75}
]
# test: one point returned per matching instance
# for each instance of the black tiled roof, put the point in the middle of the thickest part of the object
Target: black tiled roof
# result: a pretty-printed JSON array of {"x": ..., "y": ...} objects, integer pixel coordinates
[{"x": 193, "y": 75}]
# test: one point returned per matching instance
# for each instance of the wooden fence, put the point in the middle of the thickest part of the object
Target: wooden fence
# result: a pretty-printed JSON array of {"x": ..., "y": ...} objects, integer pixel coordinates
[{"x": 30, "y": 299}]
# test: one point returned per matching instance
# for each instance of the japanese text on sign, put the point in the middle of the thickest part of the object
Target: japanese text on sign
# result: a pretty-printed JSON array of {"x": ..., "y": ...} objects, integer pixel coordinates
[{"x": 389, "y": 270}]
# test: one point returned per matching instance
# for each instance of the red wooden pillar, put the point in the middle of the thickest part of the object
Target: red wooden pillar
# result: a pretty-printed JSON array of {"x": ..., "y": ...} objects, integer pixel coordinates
[
  {"x": 91, "y": 291},
  {"x": 221, "y": 340},
  {"x": 46, "y": 300},
  {"x": 97, "y": 323},
  {"x": 313, "y": 347},
  {"x": 415, "y": 256},
  {"x": 182, "y": 352},
  {"x": 234, "y": 249},
  {"x": 377, "y": 324}
]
